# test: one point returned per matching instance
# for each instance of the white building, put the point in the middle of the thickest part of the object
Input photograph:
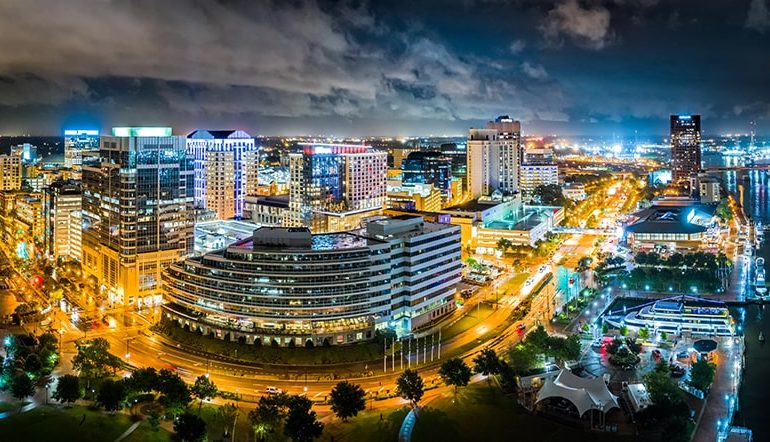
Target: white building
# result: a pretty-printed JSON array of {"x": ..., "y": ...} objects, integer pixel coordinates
[
  {"x": 334, "y": 186},
  {"x": 575, "y": 192},
  {"x": 225, "y": 161},
  {"x": 709, "y": 189},
  {"x": 533, "y": 175},
  {"x": 76, "y": 143},
  {"x": 266, "y": 210},
  {"x": 62, "y": 199},
  {"x": 493, "y": 158}
]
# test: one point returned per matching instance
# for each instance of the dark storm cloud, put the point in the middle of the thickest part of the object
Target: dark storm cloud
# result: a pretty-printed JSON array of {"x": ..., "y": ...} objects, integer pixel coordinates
[{"x": 414, "y": 67}]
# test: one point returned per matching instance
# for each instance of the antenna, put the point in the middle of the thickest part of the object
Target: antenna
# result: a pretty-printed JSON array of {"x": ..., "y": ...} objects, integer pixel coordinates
[{"x": 752, "y": 133}]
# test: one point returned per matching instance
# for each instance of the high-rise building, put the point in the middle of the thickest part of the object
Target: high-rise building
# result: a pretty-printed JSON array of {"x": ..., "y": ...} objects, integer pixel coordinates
[
  {"x": 493, "y": 158},
  {"x": 62, "y": 198},
  {"x": 458, "y": 156},
  {"x": 78, "y": 142},
  {"x": 137, "y": 212},
  {"x": 289, "y": 286},
  {"x": 537, "y": 169},
  {"x": 685, "y": 146},
  {"x": 428, "y": 168},
  {"x": 26, "y": 151},
  {"x": 225, "y": 169},
  {"x": 397, "y": 155},
  {"x": 10, "y": 168},
  {"x": 334, "y": 186}
]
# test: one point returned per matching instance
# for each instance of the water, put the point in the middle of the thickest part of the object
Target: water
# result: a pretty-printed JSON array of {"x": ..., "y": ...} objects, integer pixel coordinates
[{"x": 754, "y": 195}]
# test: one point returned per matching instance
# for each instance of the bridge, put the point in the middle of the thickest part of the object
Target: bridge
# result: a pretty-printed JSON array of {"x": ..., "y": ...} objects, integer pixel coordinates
[{"x": 586, "y": 231}]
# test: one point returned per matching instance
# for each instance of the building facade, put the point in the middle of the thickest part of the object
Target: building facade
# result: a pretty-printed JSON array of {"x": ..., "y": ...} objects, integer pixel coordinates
[
  {"x": 334, "y": 186},
  {"x": 62, "y": 199},
  {"x": 137, "y": 212},
  {"x": 494, "y": 157},
  {"x": 226, "y": 163},
  {"x": 428, "y": 168},
  {"x": 78, "y": 142},
  {"x": 685, "y": 146},
  {"x": 289, "y": 286},
  {"x": 10, "y": 167}
]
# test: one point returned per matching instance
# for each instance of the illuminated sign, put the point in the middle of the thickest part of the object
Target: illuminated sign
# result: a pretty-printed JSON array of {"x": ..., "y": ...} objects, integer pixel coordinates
[
  {"x": 141, "y": 131},
  {"x": 76, "y": 132},
  {"x": 684, "y": 117}
]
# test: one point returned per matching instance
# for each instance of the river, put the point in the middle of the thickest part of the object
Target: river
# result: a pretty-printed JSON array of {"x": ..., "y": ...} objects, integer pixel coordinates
[{"x": 754, "y": 194}]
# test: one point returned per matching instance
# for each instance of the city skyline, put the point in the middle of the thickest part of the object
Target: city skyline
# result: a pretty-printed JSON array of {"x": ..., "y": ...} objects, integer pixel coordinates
[{"x": 563, "y": 67}]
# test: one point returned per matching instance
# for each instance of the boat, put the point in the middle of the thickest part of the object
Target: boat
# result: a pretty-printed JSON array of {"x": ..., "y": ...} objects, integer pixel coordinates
[
  {"x": 677, "y": 315},
  {"x": 759, "y": 276},
  {"x": 761, "y": 337}
]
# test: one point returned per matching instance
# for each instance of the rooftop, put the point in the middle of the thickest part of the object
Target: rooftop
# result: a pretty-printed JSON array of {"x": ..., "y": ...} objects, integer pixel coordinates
[{"x": 672, "y": 217}]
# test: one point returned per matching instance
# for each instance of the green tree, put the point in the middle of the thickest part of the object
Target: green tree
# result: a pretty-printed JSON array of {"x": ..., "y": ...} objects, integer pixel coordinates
[
  {"x": 623, "y": 330},
  {"x": 301, "y": 422},
  {"x": 643, "y": 333},
  {"x": 410, "y": 386},
  {"x": 455, "y": 372},
  {"x": 347, "y": 400},
  {"x": 702, "y": 374},
  {"x": 67, "y": 389},
  {"x": 111, "y": 395},
  {"x": 487, "y": 363},
  {"x": 605, "y": 328},
  {"x": 190, "y": 428},
  {"x": 503, "y": 244},
  {"x": 175, "y": 395},
  {"x": 22, "y": 386},
  {"x": 550, "y": 195},
  {"x": 203, "y": 389},
  {"x": 142, "y": 380},
  {"x": 153, "y": 418},
  {"x": 93, "y": 359},
  {"x": 227, "y": 413},
  {"x": 268, "y": 416},
  {"x": 522, "y": 358}
]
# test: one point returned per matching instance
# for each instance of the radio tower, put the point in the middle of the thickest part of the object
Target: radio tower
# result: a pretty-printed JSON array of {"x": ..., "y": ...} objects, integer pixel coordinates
[{"x": 752, "y": 133}]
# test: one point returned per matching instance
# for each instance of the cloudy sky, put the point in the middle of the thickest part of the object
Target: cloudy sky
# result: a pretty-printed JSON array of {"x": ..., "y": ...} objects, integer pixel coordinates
[{"x": 395, "y": 67}]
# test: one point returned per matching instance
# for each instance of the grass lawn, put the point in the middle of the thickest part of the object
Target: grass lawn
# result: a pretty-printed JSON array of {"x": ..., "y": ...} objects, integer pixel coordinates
[
  {"x": 64, "y": 424},
  {"x": 478, "y": 414},
  {"x": 484, "y": 414},
  {"x": 363, "y": 352},
  {"x": 470, "y": 320},
  {"x": 367, "y": 427},
  {"x": 8, "y": 406}
]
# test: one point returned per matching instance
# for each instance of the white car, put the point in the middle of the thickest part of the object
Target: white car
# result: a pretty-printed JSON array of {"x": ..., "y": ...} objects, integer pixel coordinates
[{"x": 273, "y": 390}]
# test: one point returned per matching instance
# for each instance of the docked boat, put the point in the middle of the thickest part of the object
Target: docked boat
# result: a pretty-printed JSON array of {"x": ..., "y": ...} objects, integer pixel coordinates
[
  {"x": 678, "y": 315},
  {"x": 759, "y": 276}
]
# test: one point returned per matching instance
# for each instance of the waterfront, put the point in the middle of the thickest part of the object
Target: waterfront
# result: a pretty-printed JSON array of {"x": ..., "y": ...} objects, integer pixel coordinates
[{"x": 753, "y": 193}]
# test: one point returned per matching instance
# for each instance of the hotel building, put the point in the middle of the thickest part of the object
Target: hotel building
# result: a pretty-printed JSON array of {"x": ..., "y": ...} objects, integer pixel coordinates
[
  {"x": 297, "y": 288},
  {"x": 493, "y": 158}
]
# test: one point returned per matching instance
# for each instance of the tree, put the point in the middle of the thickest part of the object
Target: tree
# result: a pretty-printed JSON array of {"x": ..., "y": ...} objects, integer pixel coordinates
[
  {"x": 347, "y": 400},
  {"x": 702, "y": 374},
  {"x": 301, "y": 423},
  {"x": 663, "y": 335},
  {"x": 487, "y": 362},
  {"x": 94, "y": 359},
  {"x": 410, "y": 386},
  {"x": 33, "y": 365},
  {"x": 22, "y": 386},
  {"x": 142, "y": 380},
  {"x": 153, "y": 418},
  {"x": 190, "y": 428},
  {"x": 203, "y": 389},
  {"x": 268, "y": 416},
  {"x": 175, "y": 394},
  {"x": 643, "y": 333},
  {"x": 550, "y": 195},
  {"x": 623, "y": 330},
  {"x": 67, "y": 389},
  {"x": 455, "y": 372},
  {"x": 226, "y": 413},
  {"x": 111, "y": 395},
  {"x": 522, "y": 358}
]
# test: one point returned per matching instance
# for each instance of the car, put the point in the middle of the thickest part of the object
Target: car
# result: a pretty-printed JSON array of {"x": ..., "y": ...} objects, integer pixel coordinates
[
  {"x": 522, "y": 327},
  {"x": 273, "y": 390}
]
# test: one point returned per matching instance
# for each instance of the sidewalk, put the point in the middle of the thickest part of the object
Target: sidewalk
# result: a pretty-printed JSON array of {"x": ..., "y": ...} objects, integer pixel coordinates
[{"x": 720, "y": 403}]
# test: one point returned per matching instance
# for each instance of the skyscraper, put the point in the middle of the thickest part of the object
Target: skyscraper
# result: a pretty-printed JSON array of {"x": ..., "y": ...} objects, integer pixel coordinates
[
  {"x": 61, "y": 199},
  {"x": 685, "y": 146},
  {"x": 225, "y": 161},
  {"x": 537, "y": 169},
  {"x": 493, "y": 157},
  {"x": 427, "y": 168},
  {"x": 137, "y": 212},
  {"x": 333, "y": 186},
  {"x": 76, "y": 143}
]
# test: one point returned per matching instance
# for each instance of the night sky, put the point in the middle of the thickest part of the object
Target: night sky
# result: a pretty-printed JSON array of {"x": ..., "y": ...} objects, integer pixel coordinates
[{"x": 384, "y": 67}]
